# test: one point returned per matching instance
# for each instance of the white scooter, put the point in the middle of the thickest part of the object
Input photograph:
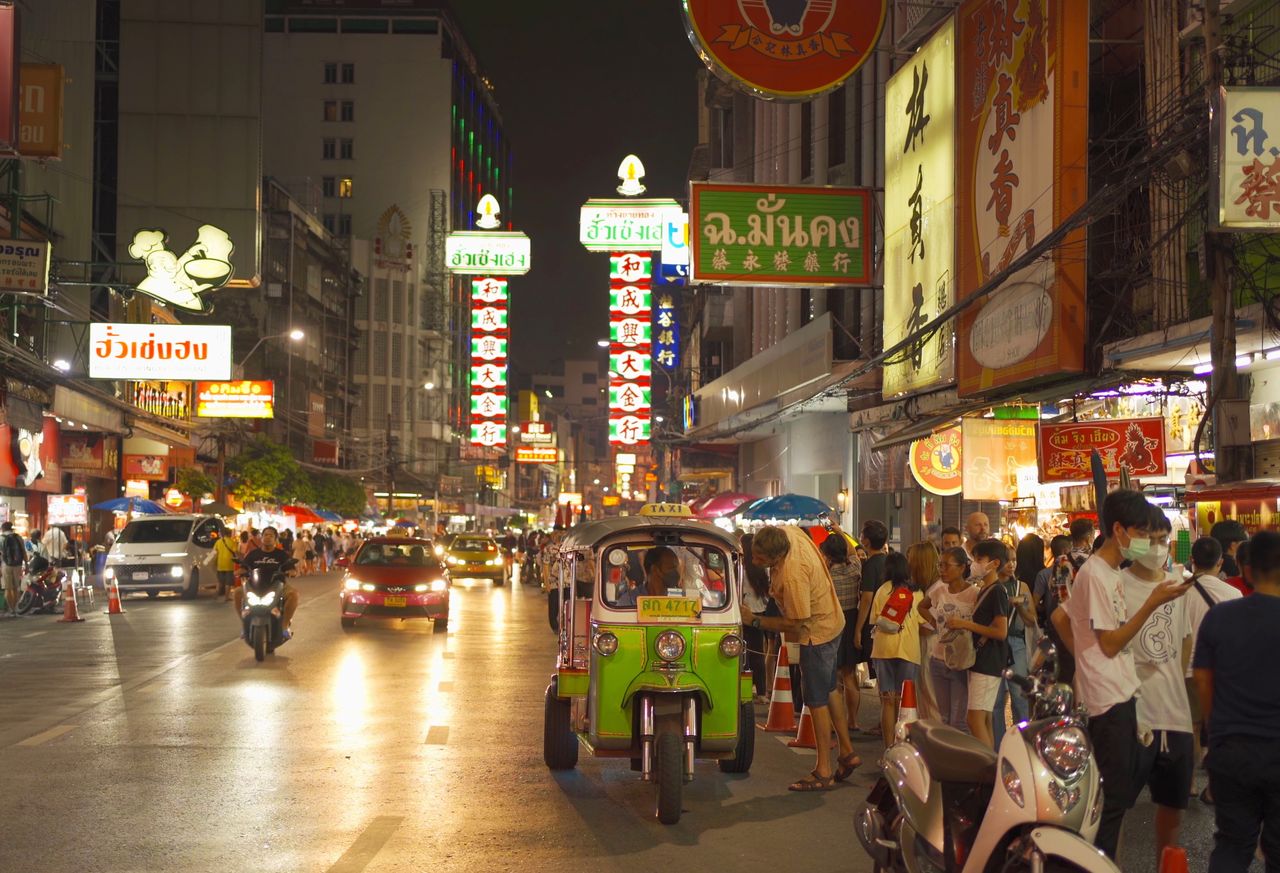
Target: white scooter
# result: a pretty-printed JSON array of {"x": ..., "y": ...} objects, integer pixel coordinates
[{"x": 946, "y": 802}]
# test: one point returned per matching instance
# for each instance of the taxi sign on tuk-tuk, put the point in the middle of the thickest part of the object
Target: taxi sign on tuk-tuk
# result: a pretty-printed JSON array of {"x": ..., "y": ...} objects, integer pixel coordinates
[
  {"x": 666, "y": 510},
  {"x": 668, "y": 610}
]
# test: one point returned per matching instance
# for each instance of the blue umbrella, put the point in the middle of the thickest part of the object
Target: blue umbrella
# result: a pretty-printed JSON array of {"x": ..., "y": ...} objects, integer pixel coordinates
[
  {"x": 328, "y": 515},
  {"x": 787, "y": 506},
  {"x": 139, "y": 505}
]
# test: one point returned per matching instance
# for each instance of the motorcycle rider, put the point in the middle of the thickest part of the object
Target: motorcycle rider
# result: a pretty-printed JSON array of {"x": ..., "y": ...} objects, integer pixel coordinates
[{"x": 268, "y": 558}]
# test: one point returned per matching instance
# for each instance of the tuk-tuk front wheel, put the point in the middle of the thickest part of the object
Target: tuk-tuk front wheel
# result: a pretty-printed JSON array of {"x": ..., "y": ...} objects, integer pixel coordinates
[
  {"x": 559, "y": 743},
  {"x": 741, "y": 760},
  {"x": 669, "y": 763}
]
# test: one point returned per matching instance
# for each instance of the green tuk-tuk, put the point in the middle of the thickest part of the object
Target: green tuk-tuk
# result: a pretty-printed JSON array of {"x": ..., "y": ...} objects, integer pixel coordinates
[{"x": 651, "y": 660}]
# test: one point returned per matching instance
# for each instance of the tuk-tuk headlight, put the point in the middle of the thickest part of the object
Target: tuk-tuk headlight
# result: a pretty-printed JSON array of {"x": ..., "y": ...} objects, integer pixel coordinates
[
  {"x": 605, "y": 643},
  {"x": 731, "y": 645},
  {"x": 669, "y": 645}
]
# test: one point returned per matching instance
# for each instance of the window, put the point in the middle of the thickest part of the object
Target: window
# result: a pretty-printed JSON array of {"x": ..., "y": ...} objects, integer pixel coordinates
[
  {"x": 328, "y": 187},
  {"x": 330, "y": 74},
  {"x": 345, "y": 187},
  {"x": 397, "y": 401},
  {"x": 344, "y": 225},
  {"x": 397, "y": 302},
  {"x": 330, "y": 110},
  {"x": 346, "y": 149},
  {"x": 835, "y": 127},
  {"x": 330, "y": 222},
  {"x": 378, "y": 402},
  {"x": 588, "y": 401},
  {"x": 348, "y": 74},
  {"x": 378, "y": 352},
  {"x": 722, "y": 137},
  {"x": 806, "y": 140},
  {"x": 588, "y": 378},
  {"x": 330, "y": 150},
  {"x": 380, "y": 296},
  {"x": 348, "y": 110},
  {"x": 397, "y": 354}
]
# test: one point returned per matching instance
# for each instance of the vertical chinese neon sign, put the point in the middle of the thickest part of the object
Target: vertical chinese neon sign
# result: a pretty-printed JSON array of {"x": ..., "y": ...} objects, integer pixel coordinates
[
  {"x": 630, "y": 344},
  {"x": 489, "y": 336},
  {"x": 666, "y": 332}
]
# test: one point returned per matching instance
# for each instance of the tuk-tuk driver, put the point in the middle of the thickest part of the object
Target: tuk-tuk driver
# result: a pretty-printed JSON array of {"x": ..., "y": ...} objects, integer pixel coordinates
[
  {"x": 801, "y": 584},
  {"x": 661, "y": 572}
]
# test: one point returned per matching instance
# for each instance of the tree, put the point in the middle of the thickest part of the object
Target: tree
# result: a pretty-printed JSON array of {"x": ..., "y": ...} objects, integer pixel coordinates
[
  {"x": 265, "y": 472},
  {"x": 340, "y": 494},
  {"x": 194, "y": 483}
]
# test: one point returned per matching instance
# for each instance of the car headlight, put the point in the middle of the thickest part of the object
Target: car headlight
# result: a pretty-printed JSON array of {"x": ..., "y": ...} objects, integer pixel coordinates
[
  {"x": 731, "y": 645},
  {"x": 351, "y": 584},
  {"x": 439, "y": 585},
  {"x": 454, "y": 560},
  {"x": 605, "y": 643},
  {"x": 1012, "y": 782},
  {"x": 109, "y": 573},
  {"x": 1065, "y": 751},
  {"x": 420, "y": 588},
  {"x": 439, "y": 550},
  {"x": 496, "y": 562},
  {"x": 669, "y": 645},
  {"x": 265, "y": 600},
  {"x": 176, "y": 572},
  {"x": 368, "y": 586}
]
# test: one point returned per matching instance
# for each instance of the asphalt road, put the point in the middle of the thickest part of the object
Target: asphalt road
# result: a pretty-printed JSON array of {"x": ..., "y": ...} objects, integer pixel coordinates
[{"x": 152, "y": 741}]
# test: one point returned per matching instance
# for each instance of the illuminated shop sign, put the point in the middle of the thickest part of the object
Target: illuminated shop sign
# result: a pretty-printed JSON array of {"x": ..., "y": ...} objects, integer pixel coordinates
[
  {"x": 144, "y": 352},
  {"x": 666, "y": 332},
  {"x": 244, "y": 399},
  {"x": 489, "y": 253},
  {"x": 179, "y": 280},
  {"x": 489, "y": 333}
]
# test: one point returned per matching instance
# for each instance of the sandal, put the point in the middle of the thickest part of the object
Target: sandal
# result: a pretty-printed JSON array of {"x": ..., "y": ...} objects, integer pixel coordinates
[
  {"x": 846, "y": 766},
  {"x": 812, "y": 782}
]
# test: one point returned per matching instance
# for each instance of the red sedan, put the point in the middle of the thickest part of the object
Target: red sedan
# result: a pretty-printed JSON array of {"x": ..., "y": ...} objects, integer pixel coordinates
[{"x": 396, "y": 577}]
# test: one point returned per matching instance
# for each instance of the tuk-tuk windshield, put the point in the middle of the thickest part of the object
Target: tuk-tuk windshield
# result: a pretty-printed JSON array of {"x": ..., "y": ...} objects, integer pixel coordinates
[{"x": 633, "y": 570}]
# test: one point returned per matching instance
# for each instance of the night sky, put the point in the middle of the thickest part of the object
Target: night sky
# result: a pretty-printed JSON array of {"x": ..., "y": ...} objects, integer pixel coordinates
[{"x": 580, "y": 83}]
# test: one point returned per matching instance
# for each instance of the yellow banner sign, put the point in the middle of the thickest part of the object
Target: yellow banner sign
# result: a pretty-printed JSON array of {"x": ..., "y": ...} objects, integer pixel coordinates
[{"x": 669, "y": 610}]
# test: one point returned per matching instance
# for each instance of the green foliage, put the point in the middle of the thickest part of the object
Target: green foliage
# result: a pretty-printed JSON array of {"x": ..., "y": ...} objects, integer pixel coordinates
[
  {"x": 340, "y": 494},
  {"x": 194, "y": 483},
  {"x": 264, "y": 471}
]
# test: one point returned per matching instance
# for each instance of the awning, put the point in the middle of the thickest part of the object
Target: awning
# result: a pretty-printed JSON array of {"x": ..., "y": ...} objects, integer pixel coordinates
[
  {"x": 303, "y": 514},
  {"x": 77, "y": 407},
  {"x": 329, "y": 515}
]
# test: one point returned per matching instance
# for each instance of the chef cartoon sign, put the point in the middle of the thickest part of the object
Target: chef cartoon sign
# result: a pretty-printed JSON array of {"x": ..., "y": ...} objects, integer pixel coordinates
[{"x": 179, "y": 280}]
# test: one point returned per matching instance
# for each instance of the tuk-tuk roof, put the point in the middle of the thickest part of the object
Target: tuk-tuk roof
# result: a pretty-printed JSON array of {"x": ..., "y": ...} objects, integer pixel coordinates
[{"x": 591, "y": 534}]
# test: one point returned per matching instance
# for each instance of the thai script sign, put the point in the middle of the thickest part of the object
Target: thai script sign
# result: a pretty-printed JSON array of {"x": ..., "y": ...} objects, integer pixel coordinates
[
  {"x": 999, "y": 457},
  {"x": 24, "y": 266},
  {"x": 625, "y": 225},
  {"x": 919, "y": 214},
  {"x": 159, "y": 351},
  {"x": 1248, "y": 172},
  {"x": 935, "y": 462},
  {"x": 1135, "y": 443},
  {"x": 487, "y": 253},
  {"x": 40, "y": 111},
  {"x": 785, "y": 48},
  {"x": 243, "y": 399},
  {"x": 67, "y": 509},
  {"x": 780, "y": 235},
  {"x": 537, "y": 455},
  {"x": 1022, "y": 107}
]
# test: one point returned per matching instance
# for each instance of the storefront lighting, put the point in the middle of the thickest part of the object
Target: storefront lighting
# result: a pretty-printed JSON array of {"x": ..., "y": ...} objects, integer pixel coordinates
[
  {"x": 1201, "y": 369},
  {"x": 1273, "y": 355},
  {"x": 62, "y": 365},
  {"x": 1244, "y": 361}
]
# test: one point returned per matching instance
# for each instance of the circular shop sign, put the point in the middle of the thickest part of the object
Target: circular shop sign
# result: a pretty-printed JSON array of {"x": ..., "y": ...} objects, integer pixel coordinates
[
  {"x": 935, "y": 462},
  {"x": 785, "y": 49}
]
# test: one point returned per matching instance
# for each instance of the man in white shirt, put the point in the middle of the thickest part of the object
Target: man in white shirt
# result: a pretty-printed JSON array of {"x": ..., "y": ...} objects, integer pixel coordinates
[
  {"x": 55, "y": 546},
  {"x": 1161, "y": 652},
  {"x": 1098, "y": 629}
]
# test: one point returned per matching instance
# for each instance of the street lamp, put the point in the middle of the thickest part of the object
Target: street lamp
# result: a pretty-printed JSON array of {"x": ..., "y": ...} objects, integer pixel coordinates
[{"x": 294, "y": 335}]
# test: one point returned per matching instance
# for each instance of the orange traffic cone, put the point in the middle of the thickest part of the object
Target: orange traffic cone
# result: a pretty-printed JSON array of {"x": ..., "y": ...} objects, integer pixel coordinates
[
  {"x": 782, "y": 714},
  {"x": 907, "y": 711},
  {"x": 1173, "y": 860},
  {"x": 114, "y": 606},
  {"x": 805, "y": 738},
  {"x": 70, "y": 612}
]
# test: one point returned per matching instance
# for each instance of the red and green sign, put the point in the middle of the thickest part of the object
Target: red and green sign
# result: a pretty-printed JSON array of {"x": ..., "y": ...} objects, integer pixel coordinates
[
  {"x": 1136, "y": 443},
  {"x": 935, "y": 462},
  {"x": 780, "y": 235}
]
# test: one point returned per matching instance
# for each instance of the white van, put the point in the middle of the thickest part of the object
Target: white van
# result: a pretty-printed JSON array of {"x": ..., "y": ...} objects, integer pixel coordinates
[{"x": 165, "y": 553}]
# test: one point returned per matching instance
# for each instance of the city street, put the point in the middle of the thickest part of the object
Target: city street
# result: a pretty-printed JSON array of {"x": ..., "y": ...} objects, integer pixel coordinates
[{"x": 153, "y": 741}]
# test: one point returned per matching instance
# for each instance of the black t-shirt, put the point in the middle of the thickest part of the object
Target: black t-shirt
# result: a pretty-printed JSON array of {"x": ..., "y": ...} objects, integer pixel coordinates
[
  {"x": 991, "y": 656},
  {"x": 872, "y": 574},
  {"x": 267, "y": 561}
]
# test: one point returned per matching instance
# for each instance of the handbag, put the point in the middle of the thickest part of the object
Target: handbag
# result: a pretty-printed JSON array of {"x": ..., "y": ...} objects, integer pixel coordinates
[{"x": 958, "y": 649}]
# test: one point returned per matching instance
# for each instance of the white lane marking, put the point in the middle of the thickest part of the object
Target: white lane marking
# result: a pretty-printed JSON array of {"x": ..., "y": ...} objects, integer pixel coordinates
[
  {"x": 45, "y": 736},
  {"x": 367, "y": 845},
  {"x": 34, "y": 634},
  {"x": 437, "y": 735}
]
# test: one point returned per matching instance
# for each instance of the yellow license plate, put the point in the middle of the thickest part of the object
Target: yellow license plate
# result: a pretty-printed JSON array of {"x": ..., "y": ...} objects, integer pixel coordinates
[{"x": 393, "y": 601}]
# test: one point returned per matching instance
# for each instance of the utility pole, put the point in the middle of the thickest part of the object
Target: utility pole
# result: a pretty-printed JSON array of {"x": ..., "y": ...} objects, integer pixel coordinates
[
  {"x": 391, "y": 471},
  {"x": 1231, "y": 462}
]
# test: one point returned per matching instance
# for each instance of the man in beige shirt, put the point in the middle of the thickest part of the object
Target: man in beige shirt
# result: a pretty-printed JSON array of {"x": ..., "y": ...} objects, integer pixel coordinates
[{"x": 801, "y": 584}]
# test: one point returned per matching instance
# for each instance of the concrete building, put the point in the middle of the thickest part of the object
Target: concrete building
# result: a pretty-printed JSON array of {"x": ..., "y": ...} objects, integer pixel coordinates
[{"x": 378, "y": 110}]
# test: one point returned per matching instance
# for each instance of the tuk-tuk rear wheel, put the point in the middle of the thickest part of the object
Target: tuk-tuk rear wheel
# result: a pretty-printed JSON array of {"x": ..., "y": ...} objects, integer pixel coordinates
[
  {"x": 741, "y": 761},
  {"x": 669, "y": 763},
  {"x": 559, "y": 743}
]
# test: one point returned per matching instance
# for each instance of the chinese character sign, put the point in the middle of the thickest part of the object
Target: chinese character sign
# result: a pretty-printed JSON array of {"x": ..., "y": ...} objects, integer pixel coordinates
[
  {"x": 997, "y": 454},
  {"x": 919, "y": 213},
  {"x": 1022, "y": 164},
  {"x": 489, "y": 335},
  {"x": 631, "y": 331},
  {"x": 1249, "y": 159},
  {"x": 666, "y": 332},
  {"x": 1135, "y": 443}
]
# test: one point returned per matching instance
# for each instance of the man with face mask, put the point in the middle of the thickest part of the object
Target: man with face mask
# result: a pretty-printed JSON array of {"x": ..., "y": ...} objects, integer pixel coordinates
[
  {"x": 661, "y": 571},
  {"x": 1100, "y": 628}
]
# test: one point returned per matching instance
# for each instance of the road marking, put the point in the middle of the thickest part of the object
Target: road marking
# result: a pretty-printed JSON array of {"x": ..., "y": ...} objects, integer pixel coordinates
[
  {"x": 35, "y": 634},
  {"x": 437, "y": 735},
  {"x": 448, "y": 655},
  {"x": 446, "y": 686},
  {"x": 367, "y": 845},
  {"x": 45, "y": 736}
]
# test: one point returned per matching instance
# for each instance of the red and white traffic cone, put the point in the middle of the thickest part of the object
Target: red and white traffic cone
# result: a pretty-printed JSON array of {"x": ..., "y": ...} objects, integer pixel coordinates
[
  {"x": 1173, "y": 860},
  {"x": 70, "y": 611},
  {"x": 114, "y": 606},
  {"x": 907, "y": 711},
  {"x": 805, "y": 738},
  {"x": 782, "y": 714}
]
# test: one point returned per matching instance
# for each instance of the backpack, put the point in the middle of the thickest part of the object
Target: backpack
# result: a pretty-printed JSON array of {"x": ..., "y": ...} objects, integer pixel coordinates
[
  {"x": 895, "y": 611},
  {"x": 14, "y": 553},
  {"x": 959, "y": 652}
]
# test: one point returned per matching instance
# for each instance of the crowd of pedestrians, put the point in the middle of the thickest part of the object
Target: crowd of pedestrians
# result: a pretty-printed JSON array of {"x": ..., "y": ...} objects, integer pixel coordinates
[{"x": 1170, "y": 660}]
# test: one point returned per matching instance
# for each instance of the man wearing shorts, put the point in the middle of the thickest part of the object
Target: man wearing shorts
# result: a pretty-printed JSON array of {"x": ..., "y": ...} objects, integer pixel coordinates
[
  {"x": 801, "y": 585},
  {"x": 13, "y": 555}
]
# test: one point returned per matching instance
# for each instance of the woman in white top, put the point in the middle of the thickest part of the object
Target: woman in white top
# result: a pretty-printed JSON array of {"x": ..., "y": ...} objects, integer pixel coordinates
[{"x": 951, "y": 598}]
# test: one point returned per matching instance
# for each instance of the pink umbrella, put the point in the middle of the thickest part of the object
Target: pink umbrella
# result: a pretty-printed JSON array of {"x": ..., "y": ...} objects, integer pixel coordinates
[{"x": 723, "y": 504}]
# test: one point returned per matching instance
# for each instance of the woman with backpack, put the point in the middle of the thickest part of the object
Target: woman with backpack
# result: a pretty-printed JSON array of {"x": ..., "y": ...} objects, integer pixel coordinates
[
  {"x": 952, "y": 652},
  {"x": 895, "y": 646},
  {"x": 990, "y": 628}
]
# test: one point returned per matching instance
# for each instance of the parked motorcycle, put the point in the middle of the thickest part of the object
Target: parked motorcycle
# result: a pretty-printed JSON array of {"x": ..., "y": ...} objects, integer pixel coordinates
[
  {"x": 946, "y": 802},
  {"x": 262, "y": 610},
  {"x": 43, "y": 592}
]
